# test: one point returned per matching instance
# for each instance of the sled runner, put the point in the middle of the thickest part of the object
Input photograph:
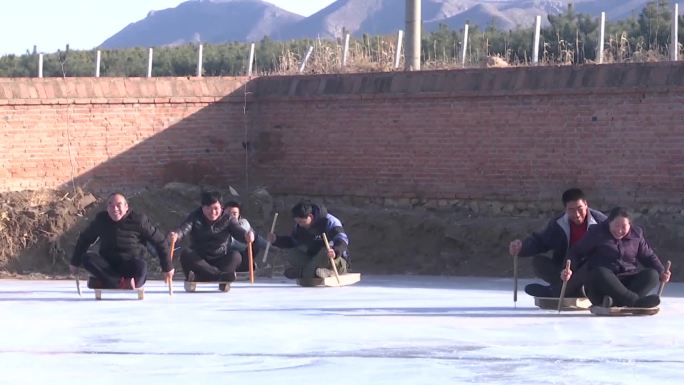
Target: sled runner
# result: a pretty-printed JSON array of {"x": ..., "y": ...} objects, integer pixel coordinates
[
  {"x": 345, "y": 280},
  {"x": 139, "y": 291},
  {"x": 568, "y": 303},
  {"x": 623, "y": 311},
  {"x": 191, "y": 287}
]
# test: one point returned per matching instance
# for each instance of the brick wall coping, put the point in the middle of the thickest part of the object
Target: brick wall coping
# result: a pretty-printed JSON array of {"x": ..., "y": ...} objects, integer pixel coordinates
[
  {"x": 23, "y": 91},
  {"x": 479, "y": 82}
]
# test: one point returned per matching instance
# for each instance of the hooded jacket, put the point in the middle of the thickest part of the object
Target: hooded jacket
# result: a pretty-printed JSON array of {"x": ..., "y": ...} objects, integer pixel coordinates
[{"x": 312, "y": 238}]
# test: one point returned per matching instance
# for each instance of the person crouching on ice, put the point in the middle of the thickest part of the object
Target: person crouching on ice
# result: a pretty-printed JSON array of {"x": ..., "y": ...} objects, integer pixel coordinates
[
  {"x": 614, "y": 249},
  {"x": 120, "y": 262},
  {"x": 233, "y": 208},
  {"x": 210, "y": 257},
  {"x": 558, "y": 236},
  {"x": 309, "y": 258}
]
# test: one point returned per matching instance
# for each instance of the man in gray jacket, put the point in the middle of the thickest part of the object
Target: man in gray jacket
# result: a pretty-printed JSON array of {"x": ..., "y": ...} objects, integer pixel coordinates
[
  {"x": 559, "y": 235},
  {"x": 235, "y": 211}
]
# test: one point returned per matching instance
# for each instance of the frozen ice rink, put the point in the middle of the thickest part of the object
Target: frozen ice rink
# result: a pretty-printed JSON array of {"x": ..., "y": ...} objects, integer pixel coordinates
[{"x": 384, "y": 330}]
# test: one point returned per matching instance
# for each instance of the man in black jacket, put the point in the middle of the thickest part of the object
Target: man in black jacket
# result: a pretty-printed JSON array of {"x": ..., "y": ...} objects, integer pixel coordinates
[
  {"x": 123, "y": 235},
  {"x": 559, "y": 235},
  {"x": 309, "y": 257},
  {"x": 209, "y": 257}
]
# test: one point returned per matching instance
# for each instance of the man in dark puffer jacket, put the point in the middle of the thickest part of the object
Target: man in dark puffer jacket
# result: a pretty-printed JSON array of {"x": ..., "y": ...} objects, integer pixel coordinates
[
  {"x": 123, "y": 234},
  {"x": 209, "y": 257}
]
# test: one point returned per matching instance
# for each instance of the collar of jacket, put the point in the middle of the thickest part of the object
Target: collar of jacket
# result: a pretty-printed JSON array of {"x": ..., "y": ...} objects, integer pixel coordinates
[{"x": 564, "y": 224}]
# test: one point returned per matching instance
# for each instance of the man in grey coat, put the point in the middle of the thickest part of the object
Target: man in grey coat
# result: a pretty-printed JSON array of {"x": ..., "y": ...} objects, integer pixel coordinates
[{"x": 558, "y": 236}]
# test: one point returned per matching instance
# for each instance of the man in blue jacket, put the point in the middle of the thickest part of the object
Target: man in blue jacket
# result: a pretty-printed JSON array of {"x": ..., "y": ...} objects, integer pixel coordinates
[
  {"x": 309, "y": 257},
  {"x": 559, "y": 235}
]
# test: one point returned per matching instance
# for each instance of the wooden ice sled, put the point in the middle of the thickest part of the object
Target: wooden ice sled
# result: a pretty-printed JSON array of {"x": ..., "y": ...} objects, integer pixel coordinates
[
  {"x": 139, "y": 291},
  {"x": 345, "y": 280},
  {"x": 191, "y": 287},
  {"x": 569, "y": 303},
  {"x": 623, "y": 311}
]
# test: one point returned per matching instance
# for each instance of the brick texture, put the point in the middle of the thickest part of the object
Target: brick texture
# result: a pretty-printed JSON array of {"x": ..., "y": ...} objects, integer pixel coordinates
[
  {"x": 120, "y": 133},
  {"x": 515, "y": 134}
]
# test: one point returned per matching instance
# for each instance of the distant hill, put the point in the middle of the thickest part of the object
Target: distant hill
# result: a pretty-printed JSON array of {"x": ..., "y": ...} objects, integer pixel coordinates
[
  {"x": 369, "y": 16},
  {"x": 218, "y": 21}
]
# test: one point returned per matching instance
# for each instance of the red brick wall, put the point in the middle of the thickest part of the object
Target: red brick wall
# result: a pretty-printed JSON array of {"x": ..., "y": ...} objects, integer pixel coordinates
[
  {"x": 119, "y": 133},
  {"x": 506, "y": 134},
  {"x": 617, "y": 131}
]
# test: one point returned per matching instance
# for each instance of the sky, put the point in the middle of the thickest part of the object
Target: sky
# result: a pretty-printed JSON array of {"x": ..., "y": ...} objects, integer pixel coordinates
[{"x": 85, "y": 24}]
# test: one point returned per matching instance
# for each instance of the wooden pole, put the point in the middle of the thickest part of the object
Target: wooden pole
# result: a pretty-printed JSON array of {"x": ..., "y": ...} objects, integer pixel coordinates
[
  {"x": 251, "y": 60},
  {"x": 150, "y": 55},
  {"x": 78, "y": 283},
  {"x": 537, "y": 33},
  {"x": 168, "y": 280},
  {"x": 306, "y": 59},
  {"x": 97, "y": 63},
  {"x": 268, "y": 245},
  {"x": 674, "y": 41},
  {"x": 199, "y": 61},
  {"x": 332, "y": 260},
  {"x": 250, "y": 256},
  {"x": 465, "y": 45},
  {"x": 345, "y": 52},
  {"x": 397, "y": 56},
  {"x": 662, "y": 284},
  {"x": 602, "y": 37},
  {"x": 40, "y": 65},
  {"x": 515, "y": 281},
  {"x": 565, "y": 284}
]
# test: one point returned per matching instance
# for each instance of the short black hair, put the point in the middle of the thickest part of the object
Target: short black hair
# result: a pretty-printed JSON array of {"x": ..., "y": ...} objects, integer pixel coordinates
[
  {"x": 302, "y": 209},
  {"x": 573, "y": 194},
  {"x": 208, "y": 198},
  {"x": 233, "y": 204},
  {"x": 619, "y": 212},
  {"x": 115, "y": 193}
]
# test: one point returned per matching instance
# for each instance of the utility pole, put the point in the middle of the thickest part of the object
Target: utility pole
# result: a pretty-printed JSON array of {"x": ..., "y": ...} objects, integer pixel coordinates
[{"x": 413, "y": 30}]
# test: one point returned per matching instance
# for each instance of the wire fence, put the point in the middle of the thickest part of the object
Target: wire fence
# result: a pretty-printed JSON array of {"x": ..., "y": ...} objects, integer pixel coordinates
[{"x": 569, "y": 38}]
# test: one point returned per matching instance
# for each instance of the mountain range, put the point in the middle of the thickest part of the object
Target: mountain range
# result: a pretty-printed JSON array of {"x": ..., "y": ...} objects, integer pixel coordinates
[{"x": 221, "y": 21}]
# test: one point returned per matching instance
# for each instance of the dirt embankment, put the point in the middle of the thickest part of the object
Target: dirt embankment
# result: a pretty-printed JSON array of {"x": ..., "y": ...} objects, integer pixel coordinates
[{"x": 39, "y": 230}]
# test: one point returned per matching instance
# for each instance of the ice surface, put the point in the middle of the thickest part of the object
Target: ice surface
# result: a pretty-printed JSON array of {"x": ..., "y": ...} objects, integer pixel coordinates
[{"x": 384, "y": 330}]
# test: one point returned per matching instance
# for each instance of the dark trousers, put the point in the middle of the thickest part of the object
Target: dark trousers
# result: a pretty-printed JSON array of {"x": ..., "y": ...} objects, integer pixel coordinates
[
  {"x": 258, "y": 245},
  {"x": 210, "y": 269},
  {"x": 110, "y": 272},
  {"x": 624, "y": 289},
  {"x": 548, "y": 270},
  {"x": 305, "y": 265}
]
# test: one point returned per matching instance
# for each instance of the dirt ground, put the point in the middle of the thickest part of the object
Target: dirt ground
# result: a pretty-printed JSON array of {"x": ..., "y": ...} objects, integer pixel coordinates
[{"x": 39, "y": 231}]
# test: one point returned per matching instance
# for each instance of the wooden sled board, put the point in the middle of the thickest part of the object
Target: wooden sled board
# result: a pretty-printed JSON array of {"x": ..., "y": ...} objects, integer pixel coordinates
[
  {"x": 623, "y": 311},
  {"x": 191, "y": 287},
  {"x": 345, "y": 280},
  {"x": 571, "y": 303},
  {"x": 139, "y": 291}
]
